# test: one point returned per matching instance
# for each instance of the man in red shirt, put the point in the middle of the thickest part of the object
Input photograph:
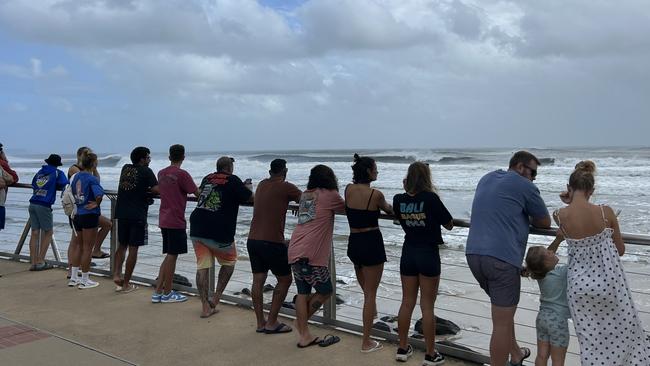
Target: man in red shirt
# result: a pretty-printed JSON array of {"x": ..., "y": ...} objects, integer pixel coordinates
[
  {"x": 267, "y": 248},
  {"x": 174, "y": 185}
]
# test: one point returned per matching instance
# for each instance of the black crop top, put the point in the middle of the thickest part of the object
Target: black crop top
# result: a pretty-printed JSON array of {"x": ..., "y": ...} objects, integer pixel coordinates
[{"x": 361, "y": 219}]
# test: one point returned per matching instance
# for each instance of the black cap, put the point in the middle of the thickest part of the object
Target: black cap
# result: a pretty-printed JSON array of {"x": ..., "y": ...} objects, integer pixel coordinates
[{"x": 54, "y": 159}]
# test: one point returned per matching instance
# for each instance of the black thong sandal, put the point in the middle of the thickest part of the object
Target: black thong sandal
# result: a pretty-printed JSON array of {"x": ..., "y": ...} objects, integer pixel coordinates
[
  {"x": 329, "y": 340},
  {"x": 281, "y": 328},
  {"x": 312, "y": 343},
  {"x": 525, "y": 351}
]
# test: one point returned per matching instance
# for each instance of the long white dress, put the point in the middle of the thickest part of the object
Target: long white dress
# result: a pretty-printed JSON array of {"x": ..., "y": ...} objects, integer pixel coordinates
[{"x": 607, "y": 324}]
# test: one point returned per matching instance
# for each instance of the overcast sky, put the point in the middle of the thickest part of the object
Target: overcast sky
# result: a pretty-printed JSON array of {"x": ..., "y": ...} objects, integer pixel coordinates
[{"x": 273, "y": 74}]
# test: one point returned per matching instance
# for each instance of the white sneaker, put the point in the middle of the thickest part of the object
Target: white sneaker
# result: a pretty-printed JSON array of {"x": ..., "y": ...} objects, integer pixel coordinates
[
  {"x": 73, "y": 282},
  {"x": 87, "y": 284}
]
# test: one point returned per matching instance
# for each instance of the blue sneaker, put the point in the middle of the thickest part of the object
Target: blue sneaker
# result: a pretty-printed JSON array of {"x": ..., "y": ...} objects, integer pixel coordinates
[
  {"x": 155, "y": 297},
  {"x": 173, "y": 296}
]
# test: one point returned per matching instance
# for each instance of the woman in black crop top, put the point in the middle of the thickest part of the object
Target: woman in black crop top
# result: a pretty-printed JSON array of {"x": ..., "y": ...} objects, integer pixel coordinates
[
  {"x": 421, "y": 213},
  {"x": 366, "y": 245},
  {"x": 105, "y": 224}
]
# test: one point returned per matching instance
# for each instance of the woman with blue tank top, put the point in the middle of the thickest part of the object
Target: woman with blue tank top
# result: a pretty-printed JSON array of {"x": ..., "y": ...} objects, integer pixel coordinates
[
  {"x": 421, "y": 213},
  {"x": 366, "y": 245}
]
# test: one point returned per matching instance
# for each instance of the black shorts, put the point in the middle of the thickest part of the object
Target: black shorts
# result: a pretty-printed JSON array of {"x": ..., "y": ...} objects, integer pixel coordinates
[
  {"x": 366, "y": 248},
  {"x": 174, "y": 241},
  {"x": 87, "y": 221},
  {"x": 266, "y": 255},
  {"x": 132, "y": 233},
  {"x": 417, "y": 261}
]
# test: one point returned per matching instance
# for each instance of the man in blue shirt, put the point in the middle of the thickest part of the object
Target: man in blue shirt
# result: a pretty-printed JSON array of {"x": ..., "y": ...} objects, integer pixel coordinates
[
  {"x": 505, "y": 204},
  {"x": 45, "y": 183}
]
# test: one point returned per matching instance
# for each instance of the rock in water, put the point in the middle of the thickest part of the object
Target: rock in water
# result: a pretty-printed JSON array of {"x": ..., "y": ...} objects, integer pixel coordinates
[
  {"x": 339, "y": 300},
  {"x": 381, "y": 326},
  {"x": 389, "y": 319},
  {"x": 443, "y": 327},
  {"x": 268, "y": 287},
  {"x": 181, "y": 280}
]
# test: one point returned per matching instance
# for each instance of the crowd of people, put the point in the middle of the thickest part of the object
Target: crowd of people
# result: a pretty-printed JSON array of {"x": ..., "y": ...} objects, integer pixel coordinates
[{"x": 591, "y": 288}]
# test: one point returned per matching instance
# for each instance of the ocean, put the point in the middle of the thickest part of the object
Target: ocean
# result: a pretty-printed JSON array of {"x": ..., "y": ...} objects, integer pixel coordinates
[{"x": 622, "y": 181}]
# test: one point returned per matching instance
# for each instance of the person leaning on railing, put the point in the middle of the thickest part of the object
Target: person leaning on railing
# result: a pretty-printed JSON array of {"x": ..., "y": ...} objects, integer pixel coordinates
[
  {"x": 105, "y": 224},
  {"x": 366, "y": 244},
  {"x": 7, "y": 178},
  {"x": 310, "y": 249},
  {"x": 505, "y": 204},
  {"x": 88, "y": 194},
  {"x": 421, "y": 213},
  {"x": 44, "y": 184}
]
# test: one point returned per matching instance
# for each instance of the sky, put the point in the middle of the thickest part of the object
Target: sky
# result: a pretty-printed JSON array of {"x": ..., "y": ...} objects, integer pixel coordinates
[{"x": 219, "y": 75}]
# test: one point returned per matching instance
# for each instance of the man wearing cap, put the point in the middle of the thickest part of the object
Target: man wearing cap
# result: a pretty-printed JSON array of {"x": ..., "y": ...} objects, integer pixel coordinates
[
  {"x": 212, "y": 228},
  {"x": 267, "y": 248},
  {"x": 7, "y": 178},
  {"x": 45, "y": 183}
]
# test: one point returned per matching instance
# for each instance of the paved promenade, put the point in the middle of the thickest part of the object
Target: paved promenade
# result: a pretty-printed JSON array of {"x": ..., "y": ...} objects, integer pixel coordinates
[{"x": 43, "y": 322}]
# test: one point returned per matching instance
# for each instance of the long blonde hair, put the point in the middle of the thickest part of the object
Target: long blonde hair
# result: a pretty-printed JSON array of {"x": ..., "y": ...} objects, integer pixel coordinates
[{"x": 418, "y": 179}]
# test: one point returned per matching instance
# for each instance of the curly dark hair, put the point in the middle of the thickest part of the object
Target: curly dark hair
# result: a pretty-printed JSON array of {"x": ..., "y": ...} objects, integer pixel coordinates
[
  {"x": 138, "y": 154},
  {"x": 360, "y": 168},
  {"x": 322, "y": 176}
]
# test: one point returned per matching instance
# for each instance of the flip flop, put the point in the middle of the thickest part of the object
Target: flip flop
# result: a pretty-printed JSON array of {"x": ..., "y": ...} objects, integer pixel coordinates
[
  {"x": 312, "y": 343},
  {"x": 214, "y": 311},
  {"x": 374, "y": 348},
  {"x": 525, "y": 352},
  {"x": 260, "y": 330},
  {"x": 131, "y": 288},
  {"x": 281, "y": 328},
  {"x": 329, "y": 340},
  {"x": 102, "y": 256}
]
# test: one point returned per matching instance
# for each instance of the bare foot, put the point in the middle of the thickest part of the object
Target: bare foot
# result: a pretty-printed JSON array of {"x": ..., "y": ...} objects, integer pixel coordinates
[
  {"x": 118, "y": 281},
  {"x": 210, "y": 313}
]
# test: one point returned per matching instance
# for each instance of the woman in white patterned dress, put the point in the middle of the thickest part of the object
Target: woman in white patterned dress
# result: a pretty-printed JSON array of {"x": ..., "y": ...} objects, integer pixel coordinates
[{"x": 607, "y": 324}]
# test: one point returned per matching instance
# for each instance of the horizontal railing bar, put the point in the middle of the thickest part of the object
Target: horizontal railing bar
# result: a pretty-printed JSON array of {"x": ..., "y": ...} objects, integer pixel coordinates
[{"x": 629, "y": 238}]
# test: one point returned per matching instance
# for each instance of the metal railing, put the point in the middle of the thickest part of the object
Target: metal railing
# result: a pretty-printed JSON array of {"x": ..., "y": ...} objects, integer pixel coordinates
[{"x": 329, "y": 313}]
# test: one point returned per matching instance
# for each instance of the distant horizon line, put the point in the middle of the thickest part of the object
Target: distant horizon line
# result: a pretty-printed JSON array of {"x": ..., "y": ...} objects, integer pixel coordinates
[{"x": 24, "y": 152}]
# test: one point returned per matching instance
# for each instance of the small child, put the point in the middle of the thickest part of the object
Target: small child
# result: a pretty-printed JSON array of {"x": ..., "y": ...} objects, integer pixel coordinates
[{"x": 552, "y": 325}]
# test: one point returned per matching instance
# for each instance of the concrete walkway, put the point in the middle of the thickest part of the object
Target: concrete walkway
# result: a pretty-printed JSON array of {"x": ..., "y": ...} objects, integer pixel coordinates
[{"x": 101, "y": 327}]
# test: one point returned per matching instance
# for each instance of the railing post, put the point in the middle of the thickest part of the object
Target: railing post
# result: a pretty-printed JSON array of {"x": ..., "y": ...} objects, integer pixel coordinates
[
  {"x": 329, "y": 312},
  {"x": 23, "y": 237},
  {"x": 55, "y": 249},
  {"x": 113, "y": 236},
  {"x": 211, "y": 281}
]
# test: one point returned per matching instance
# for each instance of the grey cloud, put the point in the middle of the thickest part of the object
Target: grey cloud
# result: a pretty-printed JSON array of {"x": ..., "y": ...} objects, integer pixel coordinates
[{"x": 583, "y": 28}]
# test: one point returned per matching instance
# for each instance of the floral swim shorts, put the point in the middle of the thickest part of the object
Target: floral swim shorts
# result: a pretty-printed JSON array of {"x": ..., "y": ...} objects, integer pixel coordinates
[{"x": 552, "y": 328}]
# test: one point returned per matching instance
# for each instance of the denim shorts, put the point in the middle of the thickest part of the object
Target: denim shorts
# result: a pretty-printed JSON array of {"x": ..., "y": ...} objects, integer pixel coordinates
[
  {"x": 40, "y": 217},
  {"x": 552, "y": 328}
]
